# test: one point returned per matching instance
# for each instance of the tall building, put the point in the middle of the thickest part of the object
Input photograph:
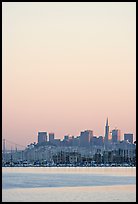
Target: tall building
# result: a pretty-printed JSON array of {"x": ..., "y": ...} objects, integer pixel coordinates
[
  {"x": 116, "y": 135},
  {"x": 100, "y": 140},
  {"x": 51, "y": 137},
  {"x": 129, "y": 137},
  {"x": 106, "y": 138},
  {"x": 85, "y": 138},
  {"x": 66, "y": 137},
  {"x": 42, "y": 137}
]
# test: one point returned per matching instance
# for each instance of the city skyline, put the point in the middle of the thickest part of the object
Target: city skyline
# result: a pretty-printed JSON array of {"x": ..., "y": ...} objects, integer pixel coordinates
[
  {"x": 66, "y": 67},
  {"x": 106, "y": 135},
  {"x": 109, "y": 135}
]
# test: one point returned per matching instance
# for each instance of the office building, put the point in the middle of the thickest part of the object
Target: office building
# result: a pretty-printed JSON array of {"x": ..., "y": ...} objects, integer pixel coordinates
[
  {"x": 66, "y": 137},
  {"x": 85, "y": 138},
  {"x": 51, "y": 137},
  {"x": 129, "y": 137},
  {"x": 42, "y": 137},
  {"x": 116, "y": 135},
  {"x": 100, "y": 141}
]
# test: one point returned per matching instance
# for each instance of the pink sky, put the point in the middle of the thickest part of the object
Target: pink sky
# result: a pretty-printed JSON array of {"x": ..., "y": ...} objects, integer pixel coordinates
[{"x": 66, "y": 67}]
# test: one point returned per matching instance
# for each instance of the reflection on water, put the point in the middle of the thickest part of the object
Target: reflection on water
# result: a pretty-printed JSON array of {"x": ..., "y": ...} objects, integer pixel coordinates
[
  {"x": 122, "y": 171},
  {"x": 46, "y": 181}
]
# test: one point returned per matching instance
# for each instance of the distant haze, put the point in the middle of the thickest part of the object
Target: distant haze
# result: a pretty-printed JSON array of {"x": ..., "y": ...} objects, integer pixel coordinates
[{"x": 66, "y": 67}]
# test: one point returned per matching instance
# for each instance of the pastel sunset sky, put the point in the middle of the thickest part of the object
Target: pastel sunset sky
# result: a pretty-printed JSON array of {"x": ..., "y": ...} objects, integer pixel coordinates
[{"x": 66, "y": 67}]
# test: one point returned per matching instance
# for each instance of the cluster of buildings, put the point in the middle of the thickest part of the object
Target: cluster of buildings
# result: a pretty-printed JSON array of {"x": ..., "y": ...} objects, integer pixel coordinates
[
  {"x": 86, "y": 138},
  {"x": 83, "y": 150}
]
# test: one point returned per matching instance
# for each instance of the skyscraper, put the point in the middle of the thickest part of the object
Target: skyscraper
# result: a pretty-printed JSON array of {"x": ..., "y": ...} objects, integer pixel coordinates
[
  {"x": 116, "y": 135},
  {"x": 42, "y": 137},
  {"x": 129, "y": 137},
  {"x": 51, "y": 137},
  {"x": 106, "y": 132},
  {"x": 85, "y": 138}
]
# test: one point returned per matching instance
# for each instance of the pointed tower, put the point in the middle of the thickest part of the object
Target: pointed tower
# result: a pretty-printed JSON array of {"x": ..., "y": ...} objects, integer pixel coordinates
[{"x": 106, "y": 132}]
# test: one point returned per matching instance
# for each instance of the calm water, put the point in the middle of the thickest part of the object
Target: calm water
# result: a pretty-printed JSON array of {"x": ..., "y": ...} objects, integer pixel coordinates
[{"x": 45, "y": 184}]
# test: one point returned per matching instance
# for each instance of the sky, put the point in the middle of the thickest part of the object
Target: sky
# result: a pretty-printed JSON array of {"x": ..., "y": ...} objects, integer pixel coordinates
[{"x": 66, "y": 67}]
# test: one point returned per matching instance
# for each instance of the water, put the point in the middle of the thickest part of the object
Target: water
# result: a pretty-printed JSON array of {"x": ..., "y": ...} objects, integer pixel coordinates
[{"x": 70, "y": 184}]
